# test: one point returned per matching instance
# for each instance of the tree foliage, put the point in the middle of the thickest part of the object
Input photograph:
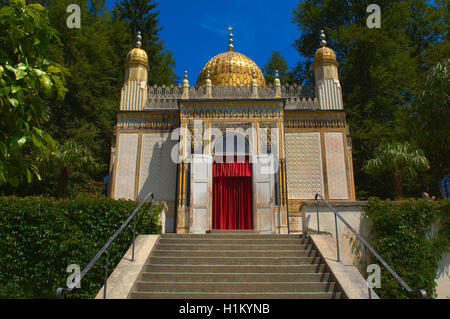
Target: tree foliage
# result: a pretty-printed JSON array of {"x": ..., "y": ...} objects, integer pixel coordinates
[
  {"x": 28, "y": 78},
  {"x": 277, "y": 63},
  {"x": 402, "y": 235},
  {"x": 398, "y": 159},
  {"x": 380, "y": 69},
  {"x": 94, "y": 57},
  {"x": 42, "y": 236},
  {"x": 428, "y": 119},
  {"x": 67, "y": 157},
  {"x": 141, "y": 15}
]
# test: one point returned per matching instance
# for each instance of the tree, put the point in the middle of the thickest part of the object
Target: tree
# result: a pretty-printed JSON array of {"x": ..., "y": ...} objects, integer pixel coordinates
[
  {"x": 140, "y": 15},
  {"x": 427, "y": 121},
  {"x": 94, "y": 55},
  {"x": 379, "y": 69},
  {"x": 28, "y": 78},
  {"x": 399, "y": 159},
  {"x": 427, "y": 28},
  {"x": 277, "y": 63},
  {"x": 67, "y": 157}
]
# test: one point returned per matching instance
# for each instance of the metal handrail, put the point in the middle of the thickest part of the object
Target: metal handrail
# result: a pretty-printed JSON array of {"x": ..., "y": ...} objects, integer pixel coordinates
[
  {"x": 60, "y": 292},
  {"x": 420, "y": 292}
]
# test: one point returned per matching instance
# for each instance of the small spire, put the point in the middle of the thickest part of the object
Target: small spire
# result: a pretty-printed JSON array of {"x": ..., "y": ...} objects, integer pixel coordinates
[
  {"x": 138, "y": 42},
  {"x": 277, "y": 85},
  {"x": 208, "y": 82},
  {"x": 254, "y": 85},
  {"x": 322, "y": 37},
  {"x": 185, "y": 94},
  {"x": 230, "y": 39}
]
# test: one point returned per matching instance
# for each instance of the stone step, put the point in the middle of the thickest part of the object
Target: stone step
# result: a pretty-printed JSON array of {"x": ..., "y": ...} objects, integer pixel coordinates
[
  {"x": 233, "y": 277},
  {"x": 233, "y": 260},
  {"x": 232, "y": 231},
  {"x": 235, "y": 265},
  {"x": 198, "y": 247},
  {"x": 197, "y": 295},
  {"x": 255, "y": 241},
  {"x": 233, "y": 287},
  {"x": 290, "y": 269},
  {"x": 233, "y": 253},
  {"x": 232, "y": 236}
]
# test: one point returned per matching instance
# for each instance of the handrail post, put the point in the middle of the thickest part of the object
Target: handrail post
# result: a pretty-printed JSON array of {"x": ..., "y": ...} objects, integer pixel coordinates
[
  {"x": 106, "y": 273},
  {"x": 337, "y": 238}
]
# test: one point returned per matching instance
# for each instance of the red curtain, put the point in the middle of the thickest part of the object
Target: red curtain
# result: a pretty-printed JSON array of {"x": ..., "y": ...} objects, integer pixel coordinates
[{"x": 232, "y": 195}]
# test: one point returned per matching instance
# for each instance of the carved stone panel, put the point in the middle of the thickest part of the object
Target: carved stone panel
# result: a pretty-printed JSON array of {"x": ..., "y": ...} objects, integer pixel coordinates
[
  {"x": 336, "y": 171},
  {"x": 304, "y": 165},
  {"x": 158, "y": 170},
  {"x": 126, "y": 165}
]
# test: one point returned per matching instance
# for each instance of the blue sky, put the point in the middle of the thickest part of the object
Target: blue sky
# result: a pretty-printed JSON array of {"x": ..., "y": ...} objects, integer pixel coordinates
[{"x": 196, "y": 30}]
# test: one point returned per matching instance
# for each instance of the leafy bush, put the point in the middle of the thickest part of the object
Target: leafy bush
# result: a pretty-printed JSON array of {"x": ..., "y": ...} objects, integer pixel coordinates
[
  {"x": 41, "y": 236},
  {"x": 402, "y": 236}
]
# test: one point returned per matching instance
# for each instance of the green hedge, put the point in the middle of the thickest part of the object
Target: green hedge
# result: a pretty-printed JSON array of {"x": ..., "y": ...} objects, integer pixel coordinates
[
  {"x": 402, "y": 236},
  {"x": 41, "y": 236}
]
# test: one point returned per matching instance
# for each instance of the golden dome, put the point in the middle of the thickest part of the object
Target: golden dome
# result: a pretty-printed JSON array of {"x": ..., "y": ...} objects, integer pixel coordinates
[
  {"x": 137, "y": 55},
  {"x": 231, "y": 69},
  {"x": 324, "y": 54}
]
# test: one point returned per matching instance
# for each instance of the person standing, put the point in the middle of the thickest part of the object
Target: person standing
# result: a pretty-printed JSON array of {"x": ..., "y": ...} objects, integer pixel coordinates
[
  {"x": 105, "y": 186},
  {"x": 444, "y": 185}
]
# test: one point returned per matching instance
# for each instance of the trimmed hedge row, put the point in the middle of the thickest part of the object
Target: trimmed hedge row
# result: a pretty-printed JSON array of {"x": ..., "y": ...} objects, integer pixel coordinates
[
  {"x": 402, "y": 236},
  {"x": 41, "y": 236}
]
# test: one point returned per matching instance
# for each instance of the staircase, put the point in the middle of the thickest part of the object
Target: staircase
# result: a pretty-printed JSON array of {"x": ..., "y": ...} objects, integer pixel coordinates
[{"x": 226, "y": 265}]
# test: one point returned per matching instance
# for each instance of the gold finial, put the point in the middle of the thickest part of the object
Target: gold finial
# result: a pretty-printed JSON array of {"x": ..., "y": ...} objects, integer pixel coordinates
[
  {"x": 185, "y": 94},
  {"x": 138, "y": 42},
  {"x": 230, "y": 39},
  {"x": 322, "y": 37}
]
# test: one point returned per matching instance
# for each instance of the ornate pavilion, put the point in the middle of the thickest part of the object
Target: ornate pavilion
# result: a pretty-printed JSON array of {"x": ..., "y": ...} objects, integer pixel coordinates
[{"x": 231, "y": 152}]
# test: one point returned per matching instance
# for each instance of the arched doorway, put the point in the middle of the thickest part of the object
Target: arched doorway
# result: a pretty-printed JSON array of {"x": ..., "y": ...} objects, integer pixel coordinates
[{"x": 232, "y": 184}]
